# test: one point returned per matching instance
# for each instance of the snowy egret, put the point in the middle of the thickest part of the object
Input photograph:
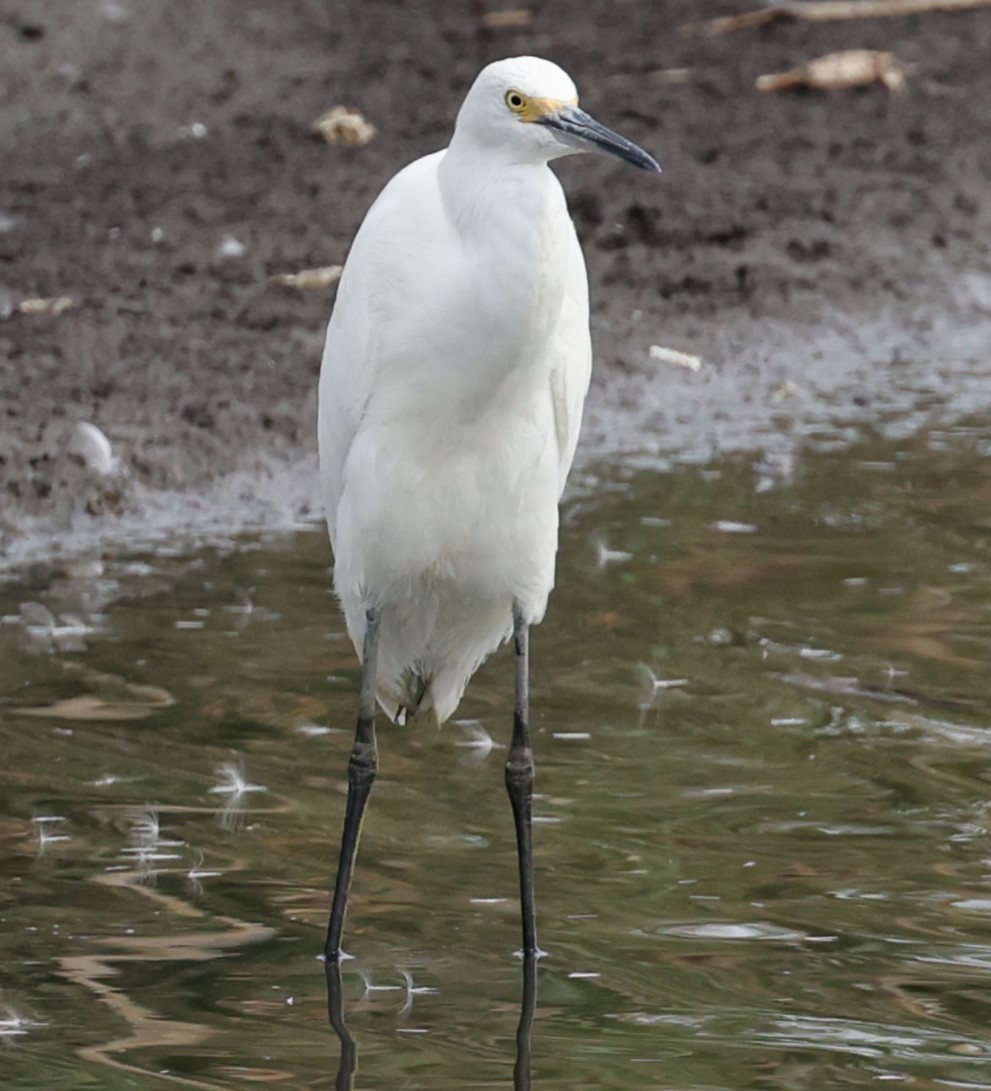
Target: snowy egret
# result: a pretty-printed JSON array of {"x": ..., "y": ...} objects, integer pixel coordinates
[{"x": 454, "y": 373}]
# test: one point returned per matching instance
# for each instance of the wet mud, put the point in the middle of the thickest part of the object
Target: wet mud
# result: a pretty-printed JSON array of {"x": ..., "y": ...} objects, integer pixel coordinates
[{"x": 825, "y": 254}]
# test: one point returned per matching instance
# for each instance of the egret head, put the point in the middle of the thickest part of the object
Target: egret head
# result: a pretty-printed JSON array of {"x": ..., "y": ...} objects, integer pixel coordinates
[{"x": 527, "y": 109}]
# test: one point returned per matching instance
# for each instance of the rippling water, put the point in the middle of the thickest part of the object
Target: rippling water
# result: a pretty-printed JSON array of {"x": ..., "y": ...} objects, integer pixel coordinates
[{"x": 763, "y": 730}]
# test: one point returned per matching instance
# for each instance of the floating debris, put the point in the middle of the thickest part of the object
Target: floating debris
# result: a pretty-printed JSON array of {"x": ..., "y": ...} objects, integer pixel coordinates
[
  {"x": 673, "y": 356},
  {"x": 730, "y": 526},
  {"x": 235, "y": 787},
  {"x": 366, "y": 980},
  {"x": 840, "y": 71},
  {"x": 605, "y": 556},
  {"x": 108, "y": 780},
  {"x": 342, "y": 125},
  {"x": 232, "y": 782},
  {"x": 148, "y": 847},
  {"x": 323, "y": 276},
  {"x": 14, "y": 1025},
  {"x": 413, "y": 990},
  {"x": 145, "y": 828},
  {"x": 198, "y": 872},
  {"x": 44, "y": 825},
  {"x": 312, "y": 731},
  {"x": 654, "y": 685},
  {"x": 480, "y": 740}
]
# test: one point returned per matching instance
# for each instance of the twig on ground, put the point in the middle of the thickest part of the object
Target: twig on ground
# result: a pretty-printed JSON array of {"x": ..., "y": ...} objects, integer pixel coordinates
[
  {"x": 507, "y": 19},
  {"x": 321, "y": 277},
  {"x": 822, "y": 11},
  {"x": 665, "y": 355},
  {"x": 54, "y": 306},
  {"x": 839, "y": 71}
]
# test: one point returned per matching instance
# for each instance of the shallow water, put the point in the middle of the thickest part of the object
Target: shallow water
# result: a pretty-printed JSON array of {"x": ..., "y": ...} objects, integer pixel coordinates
[{"x": 763, "y": 731}]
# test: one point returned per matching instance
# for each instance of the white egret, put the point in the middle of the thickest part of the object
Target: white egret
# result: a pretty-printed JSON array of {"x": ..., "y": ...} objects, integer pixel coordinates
[{"x": 455, "y": 369}]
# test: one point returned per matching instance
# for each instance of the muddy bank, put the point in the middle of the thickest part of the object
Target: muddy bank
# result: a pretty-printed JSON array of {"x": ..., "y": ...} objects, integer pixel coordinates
[{"x": 826, "y": 255}]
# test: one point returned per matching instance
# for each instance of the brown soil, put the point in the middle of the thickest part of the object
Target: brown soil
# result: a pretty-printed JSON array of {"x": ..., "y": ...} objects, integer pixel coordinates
[{"x": 825, "y": 253}]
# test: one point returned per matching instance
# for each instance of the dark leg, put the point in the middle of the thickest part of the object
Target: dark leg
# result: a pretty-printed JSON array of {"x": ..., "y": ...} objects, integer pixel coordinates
[
  {"x": 528, "y": 1005},
  {"x": 519, "y": 782},
  {"x": 361, "y": 775},
  {"x": 335, "y": 1010}
]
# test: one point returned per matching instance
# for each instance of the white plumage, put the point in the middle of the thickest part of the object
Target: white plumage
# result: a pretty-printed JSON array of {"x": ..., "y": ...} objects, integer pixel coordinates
[{"x": 456, "y": 365}]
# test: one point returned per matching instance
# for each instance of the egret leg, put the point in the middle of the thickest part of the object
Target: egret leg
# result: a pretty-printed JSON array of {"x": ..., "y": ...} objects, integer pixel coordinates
[
  {"x": 519, "y": 781},
  {"x": 361, "y": 775}
]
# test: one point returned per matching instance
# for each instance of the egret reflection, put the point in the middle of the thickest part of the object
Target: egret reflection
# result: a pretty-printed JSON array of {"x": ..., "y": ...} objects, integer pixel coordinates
[{"x": 348, "y": 1060}]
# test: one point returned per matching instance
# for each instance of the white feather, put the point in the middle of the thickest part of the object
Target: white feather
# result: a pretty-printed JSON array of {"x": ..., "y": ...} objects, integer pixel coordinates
[
  {"x": 93, "y": 447},
  {"x": 456, "y": 365}
]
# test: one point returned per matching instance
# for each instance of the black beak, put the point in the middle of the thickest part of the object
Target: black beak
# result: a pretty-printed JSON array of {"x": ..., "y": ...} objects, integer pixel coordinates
[{"x": 582, "y": 132}]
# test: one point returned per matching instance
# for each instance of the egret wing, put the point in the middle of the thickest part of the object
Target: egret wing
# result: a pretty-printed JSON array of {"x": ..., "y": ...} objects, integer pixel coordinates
[
  {"x": 367, "y": 291},
  {"x": 571, "y": 369}
]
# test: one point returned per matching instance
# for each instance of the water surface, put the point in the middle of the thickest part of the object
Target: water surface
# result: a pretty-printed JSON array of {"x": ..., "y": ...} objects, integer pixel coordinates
[{"x": 762, "y": 713}]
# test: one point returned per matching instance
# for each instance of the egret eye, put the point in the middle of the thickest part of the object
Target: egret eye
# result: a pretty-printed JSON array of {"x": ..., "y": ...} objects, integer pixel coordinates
[{"x": 516, "y": 101}]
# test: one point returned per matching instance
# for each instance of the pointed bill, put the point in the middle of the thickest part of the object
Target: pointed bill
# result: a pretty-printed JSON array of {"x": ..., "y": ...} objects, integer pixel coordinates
[{"x": 582, "y": 132}]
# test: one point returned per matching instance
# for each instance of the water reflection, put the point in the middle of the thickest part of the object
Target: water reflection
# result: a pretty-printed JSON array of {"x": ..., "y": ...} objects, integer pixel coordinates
[
  {"x": 335, "y": 1011},
  {"x": 762, "y": 823},
  {"x": 524, "y": 1029},
  {"x": 348, "y": 1061}
]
